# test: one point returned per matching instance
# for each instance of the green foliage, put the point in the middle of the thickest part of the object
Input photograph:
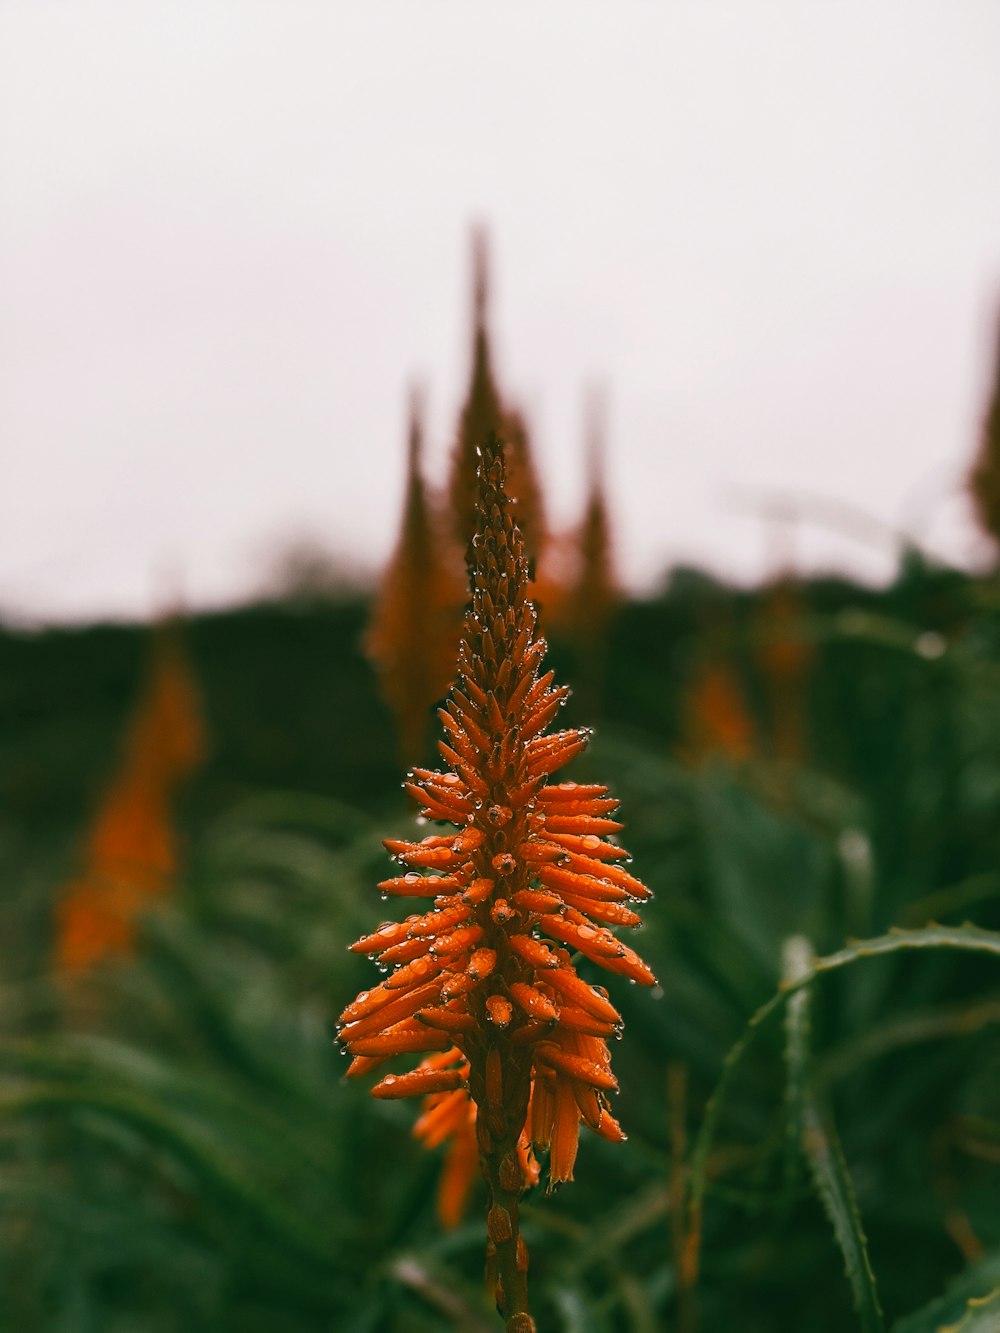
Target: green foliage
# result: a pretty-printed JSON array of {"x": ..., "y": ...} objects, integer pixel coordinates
[{"x": 179, "y": 1149}]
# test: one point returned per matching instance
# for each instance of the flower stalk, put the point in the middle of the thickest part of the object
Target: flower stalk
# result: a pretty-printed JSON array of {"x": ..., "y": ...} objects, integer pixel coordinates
[{"x": 483, "y": 985}]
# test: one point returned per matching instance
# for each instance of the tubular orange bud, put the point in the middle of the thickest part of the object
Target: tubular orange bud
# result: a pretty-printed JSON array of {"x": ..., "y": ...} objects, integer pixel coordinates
[
  {"x": 364, "y": 1064},
  {"x": 481, "y": 964},
  {"x": 585, "y": 886},
  {"x": 399, "y": 1043},
  {"x": 533, "y": 1002},
  {"x": 386, "y": 1015},
  {"x": 562, "y": 792},
  {"x": 445, "y": 1112},
  {"x": 582, "y": 824},
  {"x": 609, "y": 1128},
  {"x": 533, "y": 951},
  {"x": 592, "y": 942},
  {"x": 534, "y": 900},
  {"x": 405, "y": 952},
  {"x": 415, "y": 973},
  {"x": 615, "y": 914},
  {"x": 457, "y": 941},
  {"x": 573, "y": 1019},
  {"x": 417, "y": 1083},
  {"x": 413, "y": 885},
  {"x": 534, "y": 1030},
  {"x": 383, "y": 938},
  {"x": 565, "y": 1133},
  {"x": 564, "y": 980},
  {"x": 478, "y": 891},
  {"x": 443, "y": 918},
  {"x": 588, "y": 1099},
  {"x": 577, "y": 1067},
  {"x": 447, "y": 1020},
  {"x": 499, "y": 1010}
]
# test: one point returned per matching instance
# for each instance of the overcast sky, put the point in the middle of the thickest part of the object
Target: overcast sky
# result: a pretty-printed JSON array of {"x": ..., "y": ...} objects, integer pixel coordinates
[{"x": 233, "y": 233}]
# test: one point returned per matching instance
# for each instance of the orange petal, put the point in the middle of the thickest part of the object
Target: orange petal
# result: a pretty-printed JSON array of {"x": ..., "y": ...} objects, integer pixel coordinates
[{"x": 417, "y": 1083}]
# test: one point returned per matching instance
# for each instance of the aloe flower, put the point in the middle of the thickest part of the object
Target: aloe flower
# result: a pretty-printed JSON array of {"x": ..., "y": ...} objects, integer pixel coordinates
[
  {"x": 482, "y": 986},
  {"x": 413, "y": 635},
  {"x": 131, "y": 852}
]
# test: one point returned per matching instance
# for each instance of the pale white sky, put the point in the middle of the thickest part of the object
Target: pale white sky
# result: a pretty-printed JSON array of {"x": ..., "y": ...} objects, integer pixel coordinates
[{"x": 232, "y": 232}]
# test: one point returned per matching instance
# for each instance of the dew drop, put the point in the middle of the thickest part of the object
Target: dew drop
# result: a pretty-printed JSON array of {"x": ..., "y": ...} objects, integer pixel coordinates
[
  {"x": 412, "y": 878},
  {"x": 591, "y": 842},
  {"x": 657, "y": 992}
]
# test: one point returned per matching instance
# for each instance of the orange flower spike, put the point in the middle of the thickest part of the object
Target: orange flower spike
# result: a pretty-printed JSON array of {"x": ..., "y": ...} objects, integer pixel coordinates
[
  {"x": 130, "y": 853},
  {"x": 411, "y": 638},
  {"x": 529, "y": 871}
]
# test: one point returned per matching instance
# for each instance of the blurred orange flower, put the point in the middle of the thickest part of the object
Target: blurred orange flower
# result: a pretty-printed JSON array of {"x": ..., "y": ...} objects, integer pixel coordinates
[
  {"x": 131, "y": 853},
  {"x": 413, "y": 637}
]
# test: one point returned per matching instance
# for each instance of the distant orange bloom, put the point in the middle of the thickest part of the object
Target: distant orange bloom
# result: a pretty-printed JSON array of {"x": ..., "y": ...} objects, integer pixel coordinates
[
  {"x": 482, "y": 985},
  {"x": 413, "y": 637},
  {"x": 717, "y": 721},
  {"x": 586, "y": 605},
  {"x": 786, "y": 656},
  {"x": 130, "y": 853}
]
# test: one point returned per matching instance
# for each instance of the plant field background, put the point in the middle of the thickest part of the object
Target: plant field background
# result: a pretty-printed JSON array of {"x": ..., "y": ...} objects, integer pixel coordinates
[{"x": 180, "y": 1152}]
